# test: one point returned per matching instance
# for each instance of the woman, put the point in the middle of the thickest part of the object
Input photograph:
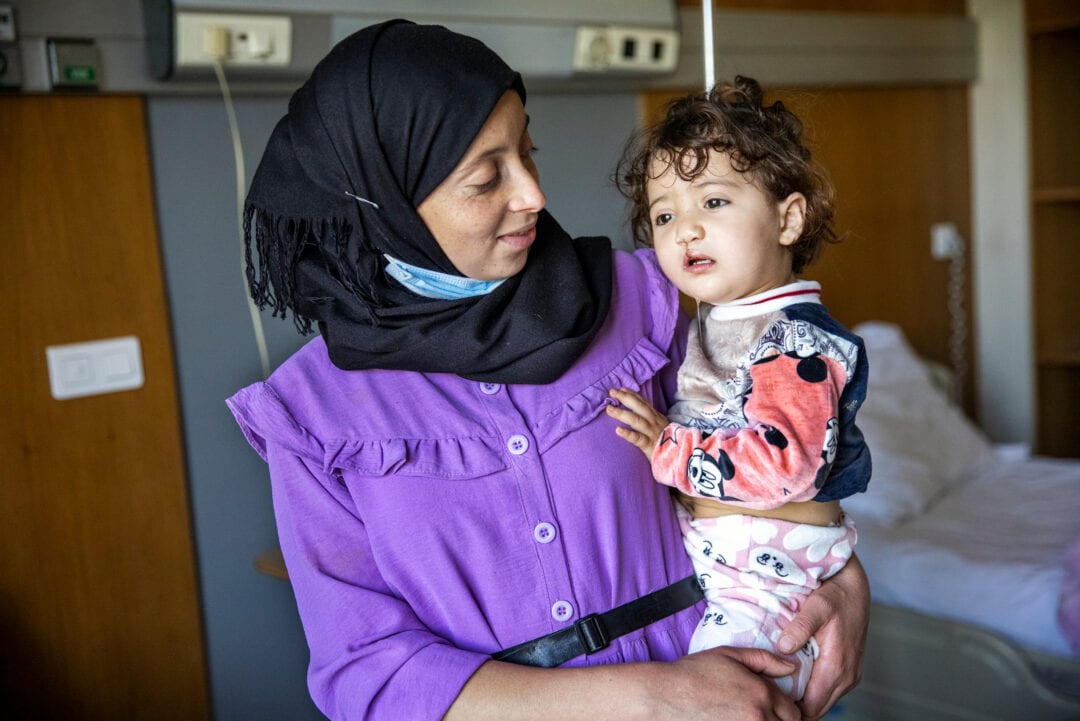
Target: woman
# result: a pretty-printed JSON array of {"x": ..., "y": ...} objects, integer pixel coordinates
[{"x": 445, "y": 480}]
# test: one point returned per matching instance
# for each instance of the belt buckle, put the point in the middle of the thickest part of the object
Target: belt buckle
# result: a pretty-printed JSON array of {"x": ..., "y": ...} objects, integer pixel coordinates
[{"x": 591, "y": 631}]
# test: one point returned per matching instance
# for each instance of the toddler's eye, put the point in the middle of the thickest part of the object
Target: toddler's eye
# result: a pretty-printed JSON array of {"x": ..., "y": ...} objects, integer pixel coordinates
[
  {"x": 663, "y": 219},
  {"x": 715, "y": 203}
]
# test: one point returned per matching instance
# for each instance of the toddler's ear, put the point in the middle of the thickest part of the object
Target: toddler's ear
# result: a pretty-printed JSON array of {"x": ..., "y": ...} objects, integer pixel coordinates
[{"x": 792, "y": 218}]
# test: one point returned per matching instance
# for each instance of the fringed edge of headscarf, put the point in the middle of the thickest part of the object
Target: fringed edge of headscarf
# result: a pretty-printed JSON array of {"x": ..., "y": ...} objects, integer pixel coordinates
[
  {"x": 280, "y": 242},
  {"x": 271, "y": 276}
]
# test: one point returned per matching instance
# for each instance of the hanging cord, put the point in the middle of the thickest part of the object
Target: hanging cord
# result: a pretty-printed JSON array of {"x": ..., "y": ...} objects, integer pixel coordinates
[
  {"x": 707, "y": 28},
  {"x": 957, "y": 322},
  {"x": 946, "y": 243},
  {"x": 238, "y": 155}
]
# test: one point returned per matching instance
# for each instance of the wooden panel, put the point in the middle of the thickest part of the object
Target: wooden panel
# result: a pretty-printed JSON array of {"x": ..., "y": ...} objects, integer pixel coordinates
[
  {"x": 1059, "y": 397},
  {"x": 1054, "y": 88},
  {"x": 1055, "y": 62},
  {"x": 899, "y": 7},
  {"x": 1048, "y": 15},
  {"x": 99, "y": 611},
  {"x": 899, "y": 159},
  {"x": 1056, "y": 262}
]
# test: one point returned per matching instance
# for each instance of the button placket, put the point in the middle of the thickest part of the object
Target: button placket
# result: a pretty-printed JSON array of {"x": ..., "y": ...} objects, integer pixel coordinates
[{"x": 529, "y": 469}]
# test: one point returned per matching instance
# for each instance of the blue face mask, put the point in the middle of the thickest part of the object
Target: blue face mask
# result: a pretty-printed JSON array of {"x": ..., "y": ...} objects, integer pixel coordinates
[{"x": 433, "y": 284}]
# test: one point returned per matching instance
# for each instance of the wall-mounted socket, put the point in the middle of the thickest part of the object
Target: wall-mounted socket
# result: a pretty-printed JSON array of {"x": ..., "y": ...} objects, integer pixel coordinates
[
  {"x": 617, "y": 48},
  {"x": 250, "y": 40}
]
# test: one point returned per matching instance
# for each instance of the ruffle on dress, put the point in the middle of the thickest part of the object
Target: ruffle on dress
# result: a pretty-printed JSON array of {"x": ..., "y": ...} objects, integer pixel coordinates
[
  {"x": 265, "y": 418},
  {"x": 636, "y": 368}
]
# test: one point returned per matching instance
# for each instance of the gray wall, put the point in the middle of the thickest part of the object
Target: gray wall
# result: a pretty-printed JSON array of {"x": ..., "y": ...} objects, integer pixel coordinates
[
  {"x": 256, "y": 649},
  {"x": 254, "y": 642}
]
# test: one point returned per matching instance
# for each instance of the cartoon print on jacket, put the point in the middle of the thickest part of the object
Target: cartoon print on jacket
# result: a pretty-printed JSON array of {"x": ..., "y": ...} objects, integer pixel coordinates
[{"x": 784, "y": 452}]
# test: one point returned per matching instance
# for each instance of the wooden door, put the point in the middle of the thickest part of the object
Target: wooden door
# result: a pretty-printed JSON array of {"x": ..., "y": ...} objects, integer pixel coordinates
[
  {"x": 899, "y": 159},
  {"x": 99, "y": 615}
]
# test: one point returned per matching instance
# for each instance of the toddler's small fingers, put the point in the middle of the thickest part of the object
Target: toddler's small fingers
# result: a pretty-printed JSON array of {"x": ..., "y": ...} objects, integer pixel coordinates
[{"x": 633, "y": 401}]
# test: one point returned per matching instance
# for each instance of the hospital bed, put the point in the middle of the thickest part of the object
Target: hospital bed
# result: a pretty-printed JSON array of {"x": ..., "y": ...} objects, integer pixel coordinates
[{"x": 966, "y": 547}]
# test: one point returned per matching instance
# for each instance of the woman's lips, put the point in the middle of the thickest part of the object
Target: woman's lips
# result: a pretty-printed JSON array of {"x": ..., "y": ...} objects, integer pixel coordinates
[{"x": 520, "y": 238}]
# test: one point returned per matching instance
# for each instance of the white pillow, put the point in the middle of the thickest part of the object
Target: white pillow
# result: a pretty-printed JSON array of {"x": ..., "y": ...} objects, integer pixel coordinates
[{"x": 921, "y": 444}]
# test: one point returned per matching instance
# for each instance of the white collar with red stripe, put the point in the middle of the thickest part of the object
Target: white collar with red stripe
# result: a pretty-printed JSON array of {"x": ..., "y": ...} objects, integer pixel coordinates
[{"x": 774, "y": 299}]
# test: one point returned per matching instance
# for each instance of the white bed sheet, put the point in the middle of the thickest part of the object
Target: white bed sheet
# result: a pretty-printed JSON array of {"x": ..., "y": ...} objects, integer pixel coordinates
[{"x": 989, "y": 552}]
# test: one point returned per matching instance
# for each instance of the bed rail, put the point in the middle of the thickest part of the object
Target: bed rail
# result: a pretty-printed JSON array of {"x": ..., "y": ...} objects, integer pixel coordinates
[{"x": 919, "y": 667}]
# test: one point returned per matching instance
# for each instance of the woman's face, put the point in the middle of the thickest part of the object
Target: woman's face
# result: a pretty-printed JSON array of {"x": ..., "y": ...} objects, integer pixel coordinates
[{"x": 484, "y": 213}]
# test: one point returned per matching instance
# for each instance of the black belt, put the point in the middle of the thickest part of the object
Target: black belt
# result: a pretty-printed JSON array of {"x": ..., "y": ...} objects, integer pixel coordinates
[{"x": 595, "y": 631}]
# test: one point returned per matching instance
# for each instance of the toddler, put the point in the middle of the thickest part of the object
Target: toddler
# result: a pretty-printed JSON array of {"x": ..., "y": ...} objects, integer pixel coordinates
[{"x": 761, "y": 443}]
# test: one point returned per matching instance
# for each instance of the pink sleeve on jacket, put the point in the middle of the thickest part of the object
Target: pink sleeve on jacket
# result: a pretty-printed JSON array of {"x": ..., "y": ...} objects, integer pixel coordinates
[{"x": 783, "y": 454}]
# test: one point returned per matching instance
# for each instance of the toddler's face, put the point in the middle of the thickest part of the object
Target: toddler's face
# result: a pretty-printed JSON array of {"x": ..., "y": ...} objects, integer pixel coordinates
[{"x": 720, "y": 237}]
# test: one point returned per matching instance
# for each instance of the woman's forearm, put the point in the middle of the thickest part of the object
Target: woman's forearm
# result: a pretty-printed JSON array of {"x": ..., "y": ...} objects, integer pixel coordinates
[{"x": 507, "y": 692}]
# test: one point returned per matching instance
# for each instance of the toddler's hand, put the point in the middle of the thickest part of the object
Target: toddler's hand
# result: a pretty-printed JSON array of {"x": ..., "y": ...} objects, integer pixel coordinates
[{"x": 644, "y": 423}]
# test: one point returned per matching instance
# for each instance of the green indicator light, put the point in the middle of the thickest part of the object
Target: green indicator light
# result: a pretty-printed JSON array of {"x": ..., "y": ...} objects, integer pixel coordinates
[{"x": 79, "y": 73}]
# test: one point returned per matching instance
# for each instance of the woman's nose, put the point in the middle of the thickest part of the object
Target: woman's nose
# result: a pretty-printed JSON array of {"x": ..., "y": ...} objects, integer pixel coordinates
[{"x": 527, "y": 197}]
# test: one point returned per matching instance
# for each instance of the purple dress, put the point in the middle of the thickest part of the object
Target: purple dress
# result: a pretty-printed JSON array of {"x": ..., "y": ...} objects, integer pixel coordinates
[{"x": 428, "y": 521}]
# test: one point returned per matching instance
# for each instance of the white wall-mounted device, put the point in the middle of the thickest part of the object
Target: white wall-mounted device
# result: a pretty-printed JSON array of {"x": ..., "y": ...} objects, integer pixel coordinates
[
  {"x": 87, "y": 369},
  {"x": 234, "y": 39},
  {"x": 562, "y": 44},
  {"x": 601, "y": 49}
]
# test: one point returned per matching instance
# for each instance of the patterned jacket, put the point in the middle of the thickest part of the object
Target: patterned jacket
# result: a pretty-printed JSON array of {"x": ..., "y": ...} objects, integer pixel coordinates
[{"x": 766, "y": 404}]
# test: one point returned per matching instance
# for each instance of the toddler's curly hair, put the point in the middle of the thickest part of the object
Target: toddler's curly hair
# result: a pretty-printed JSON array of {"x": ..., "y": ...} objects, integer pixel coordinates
[{"x": 764, "y": 142}]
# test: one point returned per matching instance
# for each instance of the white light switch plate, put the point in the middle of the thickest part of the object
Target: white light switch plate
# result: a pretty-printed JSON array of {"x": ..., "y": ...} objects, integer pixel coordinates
[{"x": 93, "y": 368}]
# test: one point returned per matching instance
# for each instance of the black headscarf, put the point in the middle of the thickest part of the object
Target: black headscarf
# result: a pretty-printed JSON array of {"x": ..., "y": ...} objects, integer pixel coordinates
[{"x": 385, "y": 117}]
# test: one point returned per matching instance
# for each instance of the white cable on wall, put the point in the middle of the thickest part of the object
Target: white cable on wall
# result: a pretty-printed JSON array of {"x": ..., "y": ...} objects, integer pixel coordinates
[{"x": 241, "y": 192}]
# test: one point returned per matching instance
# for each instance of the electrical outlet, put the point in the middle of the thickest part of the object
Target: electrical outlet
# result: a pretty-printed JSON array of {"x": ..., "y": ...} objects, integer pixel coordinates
[
  {"x": 236, "y": 39},
  {"x": 616, "y": 48}
]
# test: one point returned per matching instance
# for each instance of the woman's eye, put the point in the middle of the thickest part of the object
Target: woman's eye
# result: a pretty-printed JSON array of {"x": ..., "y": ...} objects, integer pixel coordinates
[
  {"x": 487, "y": 186},
  {"x": 712, "y": 203},
  {"x": 663, "y": 219}
]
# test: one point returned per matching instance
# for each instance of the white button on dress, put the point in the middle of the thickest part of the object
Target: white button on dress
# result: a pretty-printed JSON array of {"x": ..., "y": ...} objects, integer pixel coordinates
[
  {"x": 562, "y": 610},
  {"x": 544, "y": 532},
  {"x": 517, "y": 444}
]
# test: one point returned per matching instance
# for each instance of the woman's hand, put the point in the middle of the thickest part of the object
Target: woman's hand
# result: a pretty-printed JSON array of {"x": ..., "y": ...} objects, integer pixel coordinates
[
  {"x": 644, "y": 424},
  {"x": 720, "y": 684},
  {"x": 837, "y": 615}
]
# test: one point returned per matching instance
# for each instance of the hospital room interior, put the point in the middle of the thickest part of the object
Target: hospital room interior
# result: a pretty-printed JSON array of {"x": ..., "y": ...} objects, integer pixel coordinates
[{"x": 141, "y": 572}]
